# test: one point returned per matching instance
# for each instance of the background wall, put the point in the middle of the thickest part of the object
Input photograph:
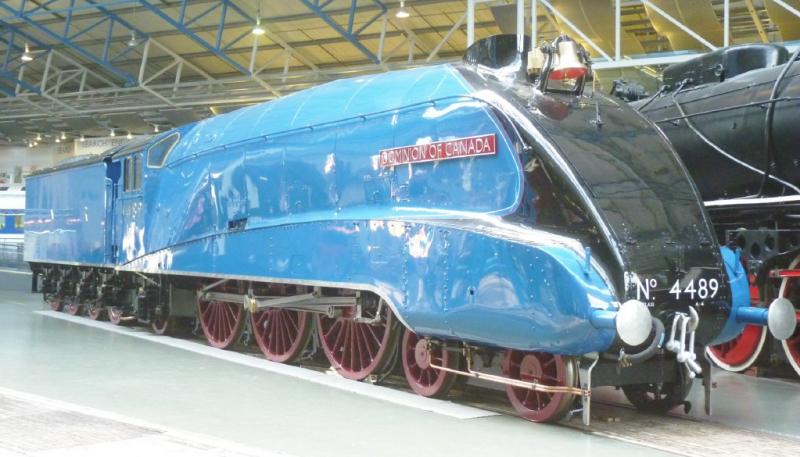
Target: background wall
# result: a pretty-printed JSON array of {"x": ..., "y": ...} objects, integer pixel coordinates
[{"x": 17, "y": 161}]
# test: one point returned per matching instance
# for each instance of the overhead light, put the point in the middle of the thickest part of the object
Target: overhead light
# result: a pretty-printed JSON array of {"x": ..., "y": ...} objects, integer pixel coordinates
[
  {"x": 258, "y": 30},
  {"x": 112, "y": 133},
  {"x": 36, "y": 143},
  {"x": 133, "y": 42},
  {"x": 82, "y": 139},
  {"x": 58, "y": 140},
  {"x": 402, "y": 13},
  {"x": 26, "y": 56},
  {"x": 30, "y": 145},
  {"x": 38, "y": 137},
  {"x": 129, "y": 136},
  {"x": 63, "y": 136},
  {"x": 155, "y": 128}
]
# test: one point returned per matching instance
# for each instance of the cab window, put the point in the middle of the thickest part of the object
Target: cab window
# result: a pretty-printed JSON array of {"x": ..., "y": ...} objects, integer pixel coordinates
[
  {"x": 133, "y": 172},
  {"x": 19, "y": 223},
  {"x": 158, "y": 153}
]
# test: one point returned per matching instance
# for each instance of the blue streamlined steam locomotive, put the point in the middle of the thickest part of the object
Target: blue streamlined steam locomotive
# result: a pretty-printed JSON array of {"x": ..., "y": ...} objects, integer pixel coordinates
[{"x": 438, "y": 216}]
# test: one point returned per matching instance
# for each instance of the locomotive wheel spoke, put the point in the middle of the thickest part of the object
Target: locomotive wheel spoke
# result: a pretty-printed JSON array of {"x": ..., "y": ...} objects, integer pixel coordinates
[
  {"x": 423, "y": 379},
  {"x": 281, "y": 334},
  {"x": 790, "y": 289},
  {"x": 541, "y": 368},
  {"x": 222, "y": 322},
  {"x": 356, "y": 350}
]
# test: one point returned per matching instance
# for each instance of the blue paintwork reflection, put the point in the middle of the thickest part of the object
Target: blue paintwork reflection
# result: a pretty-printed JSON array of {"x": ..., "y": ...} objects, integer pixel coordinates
[{"x": 65, "y": 217}]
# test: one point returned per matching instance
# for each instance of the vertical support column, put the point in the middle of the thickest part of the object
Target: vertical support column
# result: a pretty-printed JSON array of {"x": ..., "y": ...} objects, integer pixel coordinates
[
  {"x": 470, "y": 22},
  {"x": 534, "y": 22},
  {"x": 726, "y": 23},
  {"x": 520, "y": 25},
  {"x": 618, "y": 30}
]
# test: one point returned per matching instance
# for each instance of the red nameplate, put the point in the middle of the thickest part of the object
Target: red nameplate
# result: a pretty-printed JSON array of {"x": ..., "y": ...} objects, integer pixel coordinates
[{"x": 458, "y": 148}]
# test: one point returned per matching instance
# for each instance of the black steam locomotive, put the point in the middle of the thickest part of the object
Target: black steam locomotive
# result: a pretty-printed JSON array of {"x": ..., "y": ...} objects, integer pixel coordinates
[{"x": 731, "y": 115}]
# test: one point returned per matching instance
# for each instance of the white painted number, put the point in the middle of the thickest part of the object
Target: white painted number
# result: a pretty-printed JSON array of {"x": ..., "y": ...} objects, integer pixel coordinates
[{"x": 706, "y": 288}]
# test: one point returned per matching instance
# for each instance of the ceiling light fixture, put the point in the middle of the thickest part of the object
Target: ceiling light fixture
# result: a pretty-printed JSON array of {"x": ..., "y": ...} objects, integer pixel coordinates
[
  {"x": 133, "y": 41},
  {"x": 402, "y": 13},
  {"x": 112, "y": 133},
  {"x": 26, "y": 56},
  {"x": 38, "y": 137},
  {"x": 258, "y": 30},
  {"x": 58, "y": 140},
  {"x": 82, "y": 139},
  {"x": 155, "y": 128},
  {"x": 63, "y": 136},
  {"x": 129, "y": 136}
]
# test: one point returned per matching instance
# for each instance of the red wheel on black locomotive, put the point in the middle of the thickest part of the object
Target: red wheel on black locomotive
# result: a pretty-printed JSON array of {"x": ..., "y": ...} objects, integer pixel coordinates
[
  {"x": 222, "y": 322},
  {"x": 790, "y": 289},
  {"x": 281, "y": 334},
  {"x": 418, "y": 355},
  {"x": 357, "y": 350},
  {"x": 741, "y": 352},
  {"x": 541, "y": 368}
]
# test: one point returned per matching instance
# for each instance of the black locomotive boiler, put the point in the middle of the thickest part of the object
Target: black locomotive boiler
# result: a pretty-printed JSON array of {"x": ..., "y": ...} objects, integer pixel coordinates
[{"x": 732, "y": 115}]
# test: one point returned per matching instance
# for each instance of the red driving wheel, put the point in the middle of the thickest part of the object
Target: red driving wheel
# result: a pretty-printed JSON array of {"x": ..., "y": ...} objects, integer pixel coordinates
[
  {"x": 741, "y": 352},
  {"x": 541, "y": 368},
  {"x": 355, "y": 349},
  {"x": 222, "y": 322},
  {"x": 281, "y": 334},
  {"x": 790, "y": 289},
  {"x": 418, "y": 355}
]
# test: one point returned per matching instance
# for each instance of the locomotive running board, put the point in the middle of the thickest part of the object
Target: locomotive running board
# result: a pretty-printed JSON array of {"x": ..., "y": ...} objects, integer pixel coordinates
[{"x": 313, "y": 302}]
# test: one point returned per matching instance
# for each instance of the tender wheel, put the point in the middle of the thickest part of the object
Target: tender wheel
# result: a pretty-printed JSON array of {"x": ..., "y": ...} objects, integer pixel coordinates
[
  {"x": 659, "y": 397},
  {"x": 357, "y": 350},
  {"x": 542, "y": 368},
  {"x": 222, "y": 322},
  {"x": 280, "y": 333},
  {"x": 163, "y": 325},
  {"x": 73, "y": 308},
  {"x": 96, "y": 313},
  {"x": 118, "y": 316},
  {"x": 790, "y": 289},
  {"x": 741, "y": 352},
  {"x": 55, "y": 303},
  {"x": 422, "y": 378}
]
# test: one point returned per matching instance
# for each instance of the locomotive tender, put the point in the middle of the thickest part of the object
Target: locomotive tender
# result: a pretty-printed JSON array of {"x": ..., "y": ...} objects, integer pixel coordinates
[
  {"x": 455, "y": 217},
  {"x": 732, "y": 116}
]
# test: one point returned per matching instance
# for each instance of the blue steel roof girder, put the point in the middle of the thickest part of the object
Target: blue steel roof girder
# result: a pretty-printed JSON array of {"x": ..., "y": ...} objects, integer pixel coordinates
[
  {"x": 348, "y": 32},
  {"x": 182, "y": 23},
  {"x": 12, "y": 63},
  {"x": 104, "y": 61}
]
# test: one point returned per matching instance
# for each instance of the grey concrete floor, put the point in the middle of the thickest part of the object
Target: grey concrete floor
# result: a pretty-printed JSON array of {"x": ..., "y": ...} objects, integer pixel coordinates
[{"x": 182, "y": 390}]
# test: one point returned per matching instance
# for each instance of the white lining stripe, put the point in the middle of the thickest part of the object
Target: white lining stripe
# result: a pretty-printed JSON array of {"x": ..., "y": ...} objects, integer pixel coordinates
[{"x": 398, "y": 397}]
